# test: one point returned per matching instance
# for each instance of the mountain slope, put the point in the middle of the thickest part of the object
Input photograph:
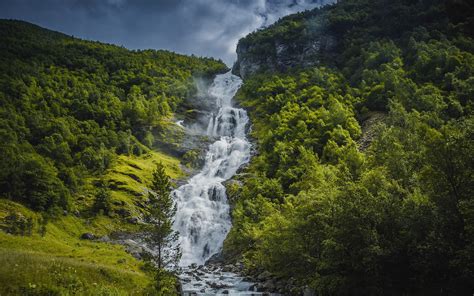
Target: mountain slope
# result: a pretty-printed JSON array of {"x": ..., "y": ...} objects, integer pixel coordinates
[
  {"x": 317, "y": 210},
  {"x": 82, "y": 125}
]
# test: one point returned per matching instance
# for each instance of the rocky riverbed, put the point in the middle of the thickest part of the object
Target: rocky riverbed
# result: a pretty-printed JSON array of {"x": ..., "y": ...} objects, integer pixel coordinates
[{"x": 216, "y": 279}]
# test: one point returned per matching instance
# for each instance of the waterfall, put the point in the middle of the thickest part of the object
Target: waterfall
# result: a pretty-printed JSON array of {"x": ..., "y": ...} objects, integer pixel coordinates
[{"x": 202, "y": 217}]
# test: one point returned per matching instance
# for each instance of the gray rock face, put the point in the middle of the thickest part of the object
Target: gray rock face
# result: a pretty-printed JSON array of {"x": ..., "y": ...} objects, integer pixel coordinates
[{"x": 271, "y": 50}]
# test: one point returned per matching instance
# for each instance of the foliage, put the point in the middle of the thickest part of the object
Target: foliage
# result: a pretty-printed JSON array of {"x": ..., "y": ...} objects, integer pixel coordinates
[
  {"x": 162, "y": 210},
  {"x": 58, "y": 261},
  {"x": 395, "y": 218},
  {"x": 102, "y": 202},
  {"x": 69, "y": 106}
]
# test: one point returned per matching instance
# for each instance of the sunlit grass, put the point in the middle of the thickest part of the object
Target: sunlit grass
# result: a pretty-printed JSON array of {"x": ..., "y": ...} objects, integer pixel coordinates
[{"x": 60, "y": 263}]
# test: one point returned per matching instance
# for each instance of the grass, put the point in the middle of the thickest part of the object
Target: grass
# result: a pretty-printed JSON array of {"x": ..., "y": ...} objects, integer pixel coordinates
[
  {"x": 60, "y": 263},
  {"x": 128, "y": 179}
]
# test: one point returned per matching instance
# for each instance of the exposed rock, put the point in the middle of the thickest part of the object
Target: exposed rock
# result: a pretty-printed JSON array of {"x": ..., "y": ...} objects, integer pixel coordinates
[
  {"x": 278, "y": 51},
  {"x": 369, "y": 128},
  {"x": 105, "y": 239},
  {"x": 123, "y": 212},
  {"x": 88, "y": 236},
  {"x": 133, "y": 220},
  {"x": 133, "y": 248}
]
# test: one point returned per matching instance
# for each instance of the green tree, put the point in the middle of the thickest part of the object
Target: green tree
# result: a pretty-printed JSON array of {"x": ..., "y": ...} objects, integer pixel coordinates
[
  {"x": 102, "y": 203},
  {"x": 161, "y": 235}
]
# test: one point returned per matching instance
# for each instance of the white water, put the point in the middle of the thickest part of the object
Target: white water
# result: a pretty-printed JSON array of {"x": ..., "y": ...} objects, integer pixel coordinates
[{"x": 202, "y": 217}]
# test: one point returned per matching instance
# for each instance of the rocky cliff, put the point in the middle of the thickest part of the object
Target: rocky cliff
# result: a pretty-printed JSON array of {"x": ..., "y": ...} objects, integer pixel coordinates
[{"x": 300, "y": 40}]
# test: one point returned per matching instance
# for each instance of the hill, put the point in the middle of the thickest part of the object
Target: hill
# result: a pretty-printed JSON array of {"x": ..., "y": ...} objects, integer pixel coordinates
[
  {"x": 335, "y": 209},
  {"x": 82, "y": 126}
]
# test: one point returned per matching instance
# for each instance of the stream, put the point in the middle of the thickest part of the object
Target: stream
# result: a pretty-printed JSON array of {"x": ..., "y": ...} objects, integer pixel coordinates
[{"x": 203, "y": 218}]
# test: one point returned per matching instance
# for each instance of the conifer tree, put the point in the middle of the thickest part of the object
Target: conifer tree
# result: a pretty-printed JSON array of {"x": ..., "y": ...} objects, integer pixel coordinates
[{"x": 161, "y": 235}]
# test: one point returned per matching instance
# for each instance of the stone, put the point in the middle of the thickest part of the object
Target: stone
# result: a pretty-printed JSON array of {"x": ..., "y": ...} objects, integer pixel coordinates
[
  {"x": 277, "y": 54},
  {"x": 105, "y": 239},
  {"x": 133, "y": 220},
  {"x": 88, "y": 236},
  {"x": 123, "y": 212}
]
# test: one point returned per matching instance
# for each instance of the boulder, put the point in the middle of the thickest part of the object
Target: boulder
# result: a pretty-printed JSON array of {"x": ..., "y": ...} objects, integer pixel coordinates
[{"x": 88, "y": 236}]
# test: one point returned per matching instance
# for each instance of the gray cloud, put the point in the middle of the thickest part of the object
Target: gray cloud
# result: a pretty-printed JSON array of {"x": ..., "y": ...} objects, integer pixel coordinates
[{"x": 200, "y": 27}]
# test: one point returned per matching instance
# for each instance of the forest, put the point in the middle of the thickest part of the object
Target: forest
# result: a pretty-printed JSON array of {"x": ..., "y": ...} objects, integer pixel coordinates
[
  {"x": 362, "y": 176},
  {"x": 79, "y": 122},
  {"x": 363, "y": 179},
  {"x": 68, "y": 107}
]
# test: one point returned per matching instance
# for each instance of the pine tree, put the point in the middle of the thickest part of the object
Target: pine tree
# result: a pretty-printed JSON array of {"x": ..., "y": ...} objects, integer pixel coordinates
[{"x": 161, "y": 235}]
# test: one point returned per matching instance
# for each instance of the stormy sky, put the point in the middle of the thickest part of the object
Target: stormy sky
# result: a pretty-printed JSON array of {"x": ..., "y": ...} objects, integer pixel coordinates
[{"x": 200, "y": 27}]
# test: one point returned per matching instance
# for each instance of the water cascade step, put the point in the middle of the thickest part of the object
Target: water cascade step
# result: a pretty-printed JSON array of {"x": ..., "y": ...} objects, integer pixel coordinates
[{"x": 203, "y": 218}]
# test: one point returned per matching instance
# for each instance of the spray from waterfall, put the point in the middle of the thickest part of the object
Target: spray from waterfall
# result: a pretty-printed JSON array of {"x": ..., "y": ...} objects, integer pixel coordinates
[{"x": 202, "y": 218}]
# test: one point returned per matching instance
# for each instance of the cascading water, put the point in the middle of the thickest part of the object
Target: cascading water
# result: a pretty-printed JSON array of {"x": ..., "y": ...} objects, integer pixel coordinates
[{"x": 202, "y": 217}]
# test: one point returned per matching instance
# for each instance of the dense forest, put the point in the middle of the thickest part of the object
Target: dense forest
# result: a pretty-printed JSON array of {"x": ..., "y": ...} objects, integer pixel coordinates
[
  {"x": 79, "y": 122},
  {"x": 68, "y": 106},
  {"x": 361, "y": 182},
  {"x": 363, "y": 179}
]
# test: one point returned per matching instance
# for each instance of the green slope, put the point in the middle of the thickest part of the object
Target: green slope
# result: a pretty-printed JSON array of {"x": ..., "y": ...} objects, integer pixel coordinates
[
  {"x": 393, "y": 217},
  {"x": 80, "y": 118}
]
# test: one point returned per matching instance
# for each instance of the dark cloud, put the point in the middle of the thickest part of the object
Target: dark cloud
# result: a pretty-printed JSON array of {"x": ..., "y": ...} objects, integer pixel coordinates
[{"x": 200, "y": 27}]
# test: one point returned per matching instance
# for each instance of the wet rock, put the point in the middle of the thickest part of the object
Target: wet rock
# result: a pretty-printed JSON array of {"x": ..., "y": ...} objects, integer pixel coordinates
[{"x": 217, "y": 286}]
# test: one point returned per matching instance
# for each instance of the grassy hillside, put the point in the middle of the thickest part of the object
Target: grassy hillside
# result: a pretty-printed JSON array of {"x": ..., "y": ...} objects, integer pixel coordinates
[
  {"x": 328, "y": 206},
  {"x": 79, "y": 125},
  {"x": 60, "y": 263}
]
